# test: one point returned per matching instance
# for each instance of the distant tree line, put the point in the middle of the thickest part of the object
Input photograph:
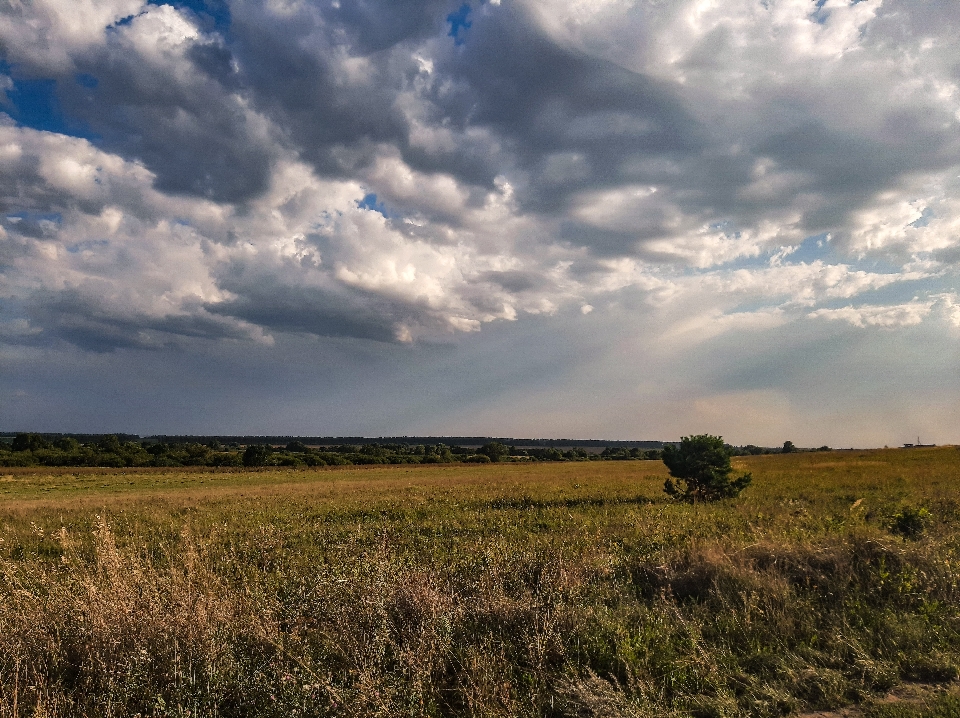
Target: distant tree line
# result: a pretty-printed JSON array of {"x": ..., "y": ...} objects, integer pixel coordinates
[
  {"x": 474, "y": 441},
  {"x": 787, "y": 448},
  {"x": 31, "y": 449},
  {"x": 111, "y": 450}
]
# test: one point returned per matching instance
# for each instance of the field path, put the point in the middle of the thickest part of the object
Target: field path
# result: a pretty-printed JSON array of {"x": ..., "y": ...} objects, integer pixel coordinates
[{"x": 915, "y": 695}]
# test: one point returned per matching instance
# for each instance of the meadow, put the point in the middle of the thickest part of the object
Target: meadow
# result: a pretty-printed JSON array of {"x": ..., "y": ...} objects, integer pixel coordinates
[{"x": 505, "y": 589}]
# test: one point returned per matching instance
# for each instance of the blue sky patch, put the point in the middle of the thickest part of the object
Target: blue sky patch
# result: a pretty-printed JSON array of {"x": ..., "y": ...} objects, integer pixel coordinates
[
  {"x": 89, "y": 244},
  {"x": 811, "y": 249},
  {"x": 35, "y": 216},
  {"x": 121, "y": 22},
  {"x": 39, "y": 225},
  {"x": 459, "y": 21},
  {"x": 899, "y": 292},
  {"x": 371, "y": 202},
  {"x": 34, "y": 104},
  {"x": 86, "y": 80},
  {"x": 820, "y": 15},
  {"x": 925, "y": 216}
]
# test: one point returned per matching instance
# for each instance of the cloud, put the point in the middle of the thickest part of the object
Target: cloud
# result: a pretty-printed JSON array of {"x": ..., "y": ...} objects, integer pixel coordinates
[
  {"x": 893, "y": 316},
  {"x": 541, "y": 147},
  {"x": 720, "y": 169},
  {"x": 47, "y": 36}
]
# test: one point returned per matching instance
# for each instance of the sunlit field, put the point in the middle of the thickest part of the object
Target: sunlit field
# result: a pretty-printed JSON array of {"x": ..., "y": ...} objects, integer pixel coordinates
[{"x": 529, "y": 589}]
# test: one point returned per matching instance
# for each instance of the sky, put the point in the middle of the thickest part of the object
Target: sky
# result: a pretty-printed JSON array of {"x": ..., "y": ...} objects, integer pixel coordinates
[{"x": 609, "y": 219}]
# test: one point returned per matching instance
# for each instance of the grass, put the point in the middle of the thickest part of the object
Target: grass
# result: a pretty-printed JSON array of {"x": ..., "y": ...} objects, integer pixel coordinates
[{"x": 568, "y": 589}]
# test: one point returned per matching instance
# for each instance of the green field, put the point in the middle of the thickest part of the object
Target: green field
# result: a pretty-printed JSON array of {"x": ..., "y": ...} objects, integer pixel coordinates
[{"x": 551, "y": 589}]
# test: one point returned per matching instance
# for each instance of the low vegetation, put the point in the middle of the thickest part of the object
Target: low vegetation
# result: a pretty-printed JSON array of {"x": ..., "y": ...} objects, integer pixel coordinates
[{"x": 506, "y": 589}]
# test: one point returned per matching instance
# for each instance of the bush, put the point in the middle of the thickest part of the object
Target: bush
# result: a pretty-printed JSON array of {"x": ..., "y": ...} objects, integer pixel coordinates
[
  {"x": 225, "y": 458},
  {"x": 495, "y": 451},
  {"x": 112, "y": 461},
  {"x": 20, "y": 458},
  {"x": 256, "y": 455},
  {"x": 294, "y": 461},
  {"x": 910, "y": 522},
  {"x": 702, "y": 464},
  {"x": 67, "y": 444}
]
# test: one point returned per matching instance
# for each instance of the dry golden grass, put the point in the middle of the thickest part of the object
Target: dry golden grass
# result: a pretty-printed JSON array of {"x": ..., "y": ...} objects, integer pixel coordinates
[{"x": 571, "y": 589}]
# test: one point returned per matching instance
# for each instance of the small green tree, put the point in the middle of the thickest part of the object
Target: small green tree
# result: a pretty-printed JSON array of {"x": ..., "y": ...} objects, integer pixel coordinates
[
  {"x": 701, "y": 464},
  {"x": 256, "y": 455},
  {"x": 66, "y": 444},
  {"x": 109, "y": 443},
  {"x": 495, "y": 451}
]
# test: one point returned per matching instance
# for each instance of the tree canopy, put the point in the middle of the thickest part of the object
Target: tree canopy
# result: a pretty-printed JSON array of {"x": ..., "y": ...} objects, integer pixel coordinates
[
  {"x": 256, "y": 455},
  {"x": 701, "y": 465}
]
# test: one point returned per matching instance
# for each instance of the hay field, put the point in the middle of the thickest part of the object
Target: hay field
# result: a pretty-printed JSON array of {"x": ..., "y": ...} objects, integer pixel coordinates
[{"x": 553, "y": 589}]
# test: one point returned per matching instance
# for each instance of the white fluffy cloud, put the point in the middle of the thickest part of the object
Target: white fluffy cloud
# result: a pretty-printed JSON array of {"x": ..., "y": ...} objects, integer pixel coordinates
[{"x": 47, "y": 35}]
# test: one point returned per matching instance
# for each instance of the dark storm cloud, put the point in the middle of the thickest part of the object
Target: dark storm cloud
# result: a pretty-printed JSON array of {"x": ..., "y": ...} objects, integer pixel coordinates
[
  {"x": 84, "y": 318},
  {"x": 566, "y": 120},
  {"x": 217, "y": 62},
  {"x": 190, "y": 131},
  {"x": 536, "y": 98},
  {"x": 23, "y": 190},
  {"x": 372, "y": 26},
  {"x": 310, "y": 310},
  {"x": 515, "y": 281},
  {"x": 290, "y": 67},
  {"x": 848, "y": 166},
  {"x": 606, "y": 242},
  {"x": 542, "y": 99},
  {"x": 950, "y": 255},
  {"x": 293, "y": 68}
]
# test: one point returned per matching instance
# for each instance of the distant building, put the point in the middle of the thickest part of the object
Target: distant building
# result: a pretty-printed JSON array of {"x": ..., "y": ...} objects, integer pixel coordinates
[{"x": 918, "y": 445}]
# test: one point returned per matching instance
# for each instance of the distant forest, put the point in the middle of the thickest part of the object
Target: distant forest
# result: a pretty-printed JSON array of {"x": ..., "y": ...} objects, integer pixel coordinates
[{"x": 130, "y": 450}]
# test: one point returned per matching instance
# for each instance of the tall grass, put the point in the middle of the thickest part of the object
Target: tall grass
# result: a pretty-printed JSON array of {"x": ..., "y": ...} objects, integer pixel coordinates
[{"x": 550, "y": 590}]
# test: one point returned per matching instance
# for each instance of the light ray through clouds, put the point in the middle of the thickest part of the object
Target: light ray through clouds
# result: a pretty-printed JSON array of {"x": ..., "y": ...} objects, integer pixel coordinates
[{"x": 617, "y": 219}]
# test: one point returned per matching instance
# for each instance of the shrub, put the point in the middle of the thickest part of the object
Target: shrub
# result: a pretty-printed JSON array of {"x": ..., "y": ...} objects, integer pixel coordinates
[
  {"x": 910, "y": 522},
  {"x": 495, "y": 451},
  {"x": 256, "y": 455},
  {"x": 67, "y": 444},
  {"x": 225, "y": 458},
  {"x": 702, "y": 464},
  {"x": 294, "y": 461}
]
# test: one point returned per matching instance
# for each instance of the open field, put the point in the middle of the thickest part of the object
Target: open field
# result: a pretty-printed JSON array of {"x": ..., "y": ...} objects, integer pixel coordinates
[{"x": 555, "y": 589}]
